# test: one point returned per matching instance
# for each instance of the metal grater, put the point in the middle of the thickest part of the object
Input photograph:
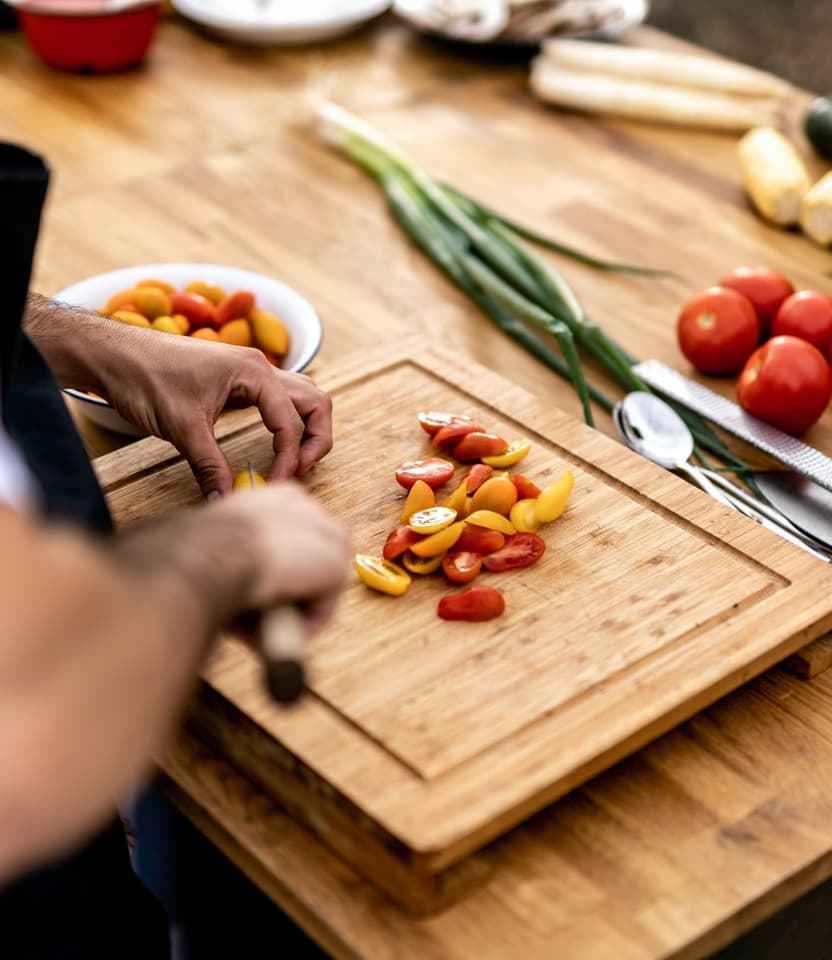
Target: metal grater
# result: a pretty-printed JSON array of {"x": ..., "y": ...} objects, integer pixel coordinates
[{"x": 723, "y": 413}]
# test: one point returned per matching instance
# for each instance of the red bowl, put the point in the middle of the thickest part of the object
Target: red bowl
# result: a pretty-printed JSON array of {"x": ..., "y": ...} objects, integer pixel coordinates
[{"x": 89, "y": 41}]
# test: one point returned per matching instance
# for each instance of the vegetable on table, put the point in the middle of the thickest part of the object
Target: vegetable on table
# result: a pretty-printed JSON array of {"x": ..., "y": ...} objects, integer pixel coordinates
[
  {"x": 774, "y": 174},
  {"x": 806, "y": 314},
  {"x": 718, "y": 330},
  {"x": 764, "y": 287},
  {"x": 474, "y": 603},
  {"x": 816, "y": 211}
]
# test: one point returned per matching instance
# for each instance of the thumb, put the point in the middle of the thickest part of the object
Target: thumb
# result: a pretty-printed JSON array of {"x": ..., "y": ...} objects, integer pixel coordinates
[{"x": 208, "y": 463}]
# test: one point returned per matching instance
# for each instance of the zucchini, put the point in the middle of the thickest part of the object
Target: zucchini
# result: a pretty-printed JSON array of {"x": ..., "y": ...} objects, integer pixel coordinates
[{"x": 818, "y": 126}]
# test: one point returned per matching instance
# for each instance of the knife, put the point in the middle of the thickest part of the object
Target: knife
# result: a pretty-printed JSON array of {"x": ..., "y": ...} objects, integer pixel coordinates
[{"x": 280, "y": 637}]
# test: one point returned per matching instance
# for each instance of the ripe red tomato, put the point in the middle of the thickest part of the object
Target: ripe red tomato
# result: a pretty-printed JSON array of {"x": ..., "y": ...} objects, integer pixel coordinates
[
  {"x": 399, "y": 539},
  {"x": 765, "y": 288},
  {"x": 433, "y": 470},
  {"x": 446, "y": 437},
  {"x": 239, "y": 304},
  {"x": 475, "y": 603},
  {"x": 526, "y": 489},
  {"x": 520, "y": 550},
  {"x": 461, "y": 566},
  {"x": 478, "y": 444},
  {"x": 718, "y": 330},
  {"x": 806, "y": 314},
  {"x": 786, "y": 382},
  {"x": 433, "y": 420},
  {"x": 477, "y": 476},
  {"x": 198, "y": 309},
  {"x": 480, "y": 540}
]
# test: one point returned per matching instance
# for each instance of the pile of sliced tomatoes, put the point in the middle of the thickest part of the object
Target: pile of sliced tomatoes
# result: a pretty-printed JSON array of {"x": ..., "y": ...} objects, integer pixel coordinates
[{"x": 490, "y": 520}]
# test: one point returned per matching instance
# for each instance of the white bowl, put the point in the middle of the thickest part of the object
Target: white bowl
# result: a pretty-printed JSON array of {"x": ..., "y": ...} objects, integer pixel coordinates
[
  {"x": 298, "y": 315},
  {"x": 280, "y": 21}
]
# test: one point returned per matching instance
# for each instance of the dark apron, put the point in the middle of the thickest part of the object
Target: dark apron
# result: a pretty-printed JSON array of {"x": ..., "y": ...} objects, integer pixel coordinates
[{"x": 89, "y": 904}]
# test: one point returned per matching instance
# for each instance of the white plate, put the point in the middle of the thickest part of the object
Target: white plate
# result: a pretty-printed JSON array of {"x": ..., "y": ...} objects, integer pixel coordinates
[
  {"x": 299, "y": 316},
  {"x": 280, "y": 21}
]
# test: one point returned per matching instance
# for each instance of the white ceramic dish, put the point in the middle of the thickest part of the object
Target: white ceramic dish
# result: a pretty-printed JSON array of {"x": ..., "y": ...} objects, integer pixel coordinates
[
  {"x": 300, "y": 318},
  {"x": 275, "y": 22}
]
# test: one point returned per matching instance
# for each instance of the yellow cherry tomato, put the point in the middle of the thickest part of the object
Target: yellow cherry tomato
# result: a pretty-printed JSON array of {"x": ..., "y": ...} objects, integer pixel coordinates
[
  {"x": 514, "y": 453},
  {"x": 523, "y": 515},
  {"x": 552, "y": 501},
  {"x": 492, "y": 520},
  {"x": 244, "y": 481},
  {"x": 432, "y": 520},
  {"x": 422, "y": 565},
  {"x": 439, "y": 542},
  {"x": 419, "y": 497},
  {"x": 497, "y": 493},
  {"x": 382, "y": 575},
  {"x": 457, "y": 500}
]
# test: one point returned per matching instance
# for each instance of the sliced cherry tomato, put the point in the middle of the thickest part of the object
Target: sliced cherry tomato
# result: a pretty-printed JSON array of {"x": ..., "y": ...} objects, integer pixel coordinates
[
  {"x": 399, "y": 539},
  {"x": 480, "y": 539},
  {"x": 521, "y": 550},
  {"x": 432, "y": 520},
  {"x": 475, "y": 603},
  {"x": 477, "y": 445},
  {"x": 458, "y": 500},
  {"x": 433, "y": 420},
  {"x": 420, "y": 497},
  {"x": 806, "y": 314},
  {"x": 765, "y": 288},
  {"x": 447, "y": 437},
  {"x": 718, "y": 330},
  {"x": 381, "y": 574},
  {"x": 477, "y": 475},
  {"x": 439, "y": 542},
  {"x": 498, "y": 494},
  {"x": 526, "y": 489},
  {"x": 552, "y": 501},
  {"x": 524, "y": 515},
  {"x": 786, "y": 382},
  {"x": 461, "y": 566},
  {"x": 514, "y": 453},
  {"x": 492, "y": 520},
  {"x": 422, "y": 566},
  {"x": 433, "y": 470}
]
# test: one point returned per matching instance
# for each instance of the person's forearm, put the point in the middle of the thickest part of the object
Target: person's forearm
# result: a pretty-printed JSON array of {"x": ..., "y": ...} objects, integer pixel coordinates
[{"x": 100, "y": 645}]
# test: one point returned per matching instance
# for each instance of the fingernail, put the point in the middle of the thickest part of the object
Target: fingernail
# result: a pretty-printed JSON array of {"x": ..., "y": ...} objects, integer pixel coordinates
[{"x": 213, "y": 496}]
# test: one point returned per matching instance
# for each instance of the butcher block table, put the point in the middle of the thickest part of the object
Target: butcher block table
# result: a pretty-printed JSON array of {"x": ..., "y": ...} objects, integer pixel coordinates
[{"x": 693, "y": 837}]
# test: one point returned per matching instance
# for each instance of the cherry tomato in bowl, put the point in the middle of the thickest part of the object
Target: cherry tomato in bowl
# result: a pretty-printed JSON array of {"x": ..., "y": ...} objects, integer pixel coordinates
[
  {"x": 765, "y": 288},
  {"x": 786, "y": 382},
  {"x": 476, "y": 603},
  {"x": 806, "y": 314},
  {"x": 717, "y": 330},
  {"x": 433, "y": 470}
]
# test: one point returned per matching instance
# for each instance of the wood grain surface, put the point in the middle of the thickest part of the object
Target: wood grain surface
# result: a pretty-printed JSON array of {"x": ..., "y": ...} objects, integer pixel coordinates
[{"x": 206, "y": 154}]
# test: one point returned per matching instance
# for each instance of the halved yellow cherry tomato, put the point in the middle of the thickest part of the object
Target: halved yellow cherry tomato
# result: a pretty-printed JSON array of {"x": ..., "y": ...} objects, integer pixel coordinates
[
  {"x": 245, "y": 480},
  {"x": 523, "y": 516},
  {"x": 381, "y": 574},
  {"x": 497, "y": 493},
  {"x": 419, "y": 497},
  {"x": 432, "y": 520},
  {"x": 422, "y": 565},
  {"x": 514, "y": 453},
  {"x": 456, "y": 501},
  {"x": 492, "y": 520},
  {"x": 552, "y": 501},
  {"x": 439, "y": 542}
]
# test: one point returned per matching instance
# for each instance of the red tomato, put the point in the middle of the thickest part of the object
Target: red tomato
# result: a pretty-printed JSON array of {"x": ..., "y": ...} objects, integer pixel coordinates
[
  {"x": 446, "y": 437},
  {"x": 786, "y": 382},
  {"x": 461, "y": 566},
  {"x": 520, "y": 550},
  {"x": 808, "y": 315},
  {"x": 433, "y": 420},
  {"x": 526, "y": 489},
  {"x": 480, "y": 540},
  {"x": 239, "y": 304},
  {"x": 475, "y": 603},
  {"x": 433, "y": 470},
  {"x": 765, "y": 288},
  {"x": 198, "y": 309},
  {"x": 476, "y": 445},
  {"x": 718, "y": 330},
  {"x": 400, "y": 538},
  {"x": 477, "y": 476}
]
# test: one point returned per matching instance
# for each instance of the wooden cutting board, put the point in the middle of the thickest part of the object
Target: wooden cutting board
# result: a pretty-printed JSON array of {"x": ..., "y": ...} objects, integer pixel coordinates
[{"x": 421, "y": 740}]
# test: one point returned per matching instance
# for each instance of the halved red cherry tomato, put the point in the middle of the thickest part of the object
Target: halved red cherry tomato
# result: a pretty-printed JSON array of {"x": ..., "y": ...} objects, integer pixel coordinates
[
  {"x": 765, "y": 288},
  {"x": 446, "y": 438},
  {"x": 477, "y": 475},
  {"x": 461, "y": 566},
  {"x": 806, "y": 314},
  {"x": 480, "y": 539},
  {"x": 479, "y": 444},
  {"x": 433, "y": 470},
  {"x": 526, "y": 489},
  {"x": 433, "y": 420},
  {"x": 475, "y": 603},
  {"x": 399, "y": 539},
  {"x": 520, "y": 550},
  {"x": 718, "y": 330}
]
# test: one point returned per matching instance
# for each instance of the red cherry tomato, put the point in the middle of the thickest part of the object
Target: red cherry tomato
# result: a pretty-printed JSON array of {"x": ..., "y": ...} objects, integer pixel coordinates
[
  {"x": 765, "y": 288},
  {"x": 786, "y": 382},
  {"x": 478, "y": 444},
  {"x": 806, "y": 314},
  {"x": 400, "y": 538},
  {"x": 718, "y": 330},
  {"x": 526, "y": 489},
  {"x": 477, "y": 476},
  {"x": 432, "y": 421},
  {"x": 198, "y": 309},
  {"x": 475, "y": 603},
  {"x": 238, "y": 305},
  {"x": 480, "y": 540},
  {"x": 520, "y": 550},
  {"x": 433, "y": 470},
  {"x": 461, "y": 566},
  {"x": 446, "y": 437}
]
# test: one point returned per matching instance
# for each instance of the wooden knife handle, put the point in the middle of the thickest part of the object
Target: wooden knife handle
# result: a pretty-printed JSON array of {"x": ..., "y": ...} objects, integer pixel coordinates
[{"x": 282, "y": 647}]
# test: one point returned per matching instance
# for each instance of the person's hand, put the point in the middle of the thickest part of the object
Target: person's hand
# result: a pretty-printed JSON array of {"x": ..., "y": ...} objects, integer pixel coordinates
[{"x": 176, "y": 387}]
